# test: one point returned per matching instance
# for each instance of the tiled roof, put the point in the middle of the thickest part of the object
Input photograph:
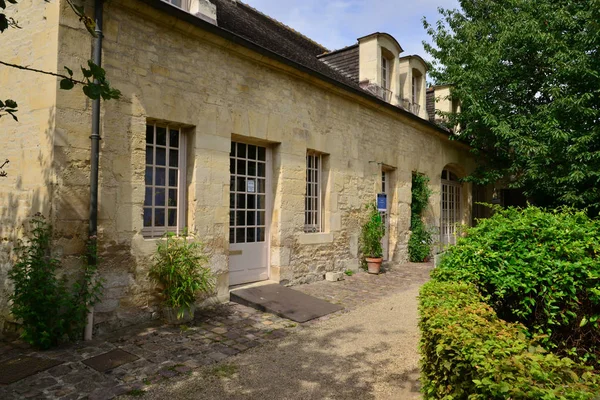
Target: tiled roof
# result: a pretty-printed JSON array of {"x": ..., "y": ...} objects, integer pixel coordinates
[
  {"x": 430, "y": 103},
  {"x": 345, "y": 60}
]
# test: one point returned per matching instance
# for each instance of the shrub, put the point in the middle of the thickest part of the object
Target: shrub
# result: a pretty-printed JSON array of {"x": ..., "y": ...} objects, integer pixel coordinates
[
  {"x": 372, "y": 232},
  {"x": 48, "y": 309},
  {"x": 419, "y": 244},
  {"x": 540, "y": 268},
  {"x": 179, "y": 269},
  {"x": 468, "y": 352}
]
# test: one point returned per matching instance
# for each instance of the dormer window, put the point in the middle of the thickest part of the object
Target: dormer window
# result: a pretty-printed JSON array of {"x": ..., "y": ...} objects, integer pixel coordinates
[{"x": 385, "y": 73}]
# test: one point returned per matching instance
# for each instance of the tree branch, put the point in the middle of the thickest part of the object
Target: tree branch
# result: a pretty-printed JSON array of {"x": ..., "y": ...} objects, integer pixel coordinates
[{"x": 41, "y": 72}]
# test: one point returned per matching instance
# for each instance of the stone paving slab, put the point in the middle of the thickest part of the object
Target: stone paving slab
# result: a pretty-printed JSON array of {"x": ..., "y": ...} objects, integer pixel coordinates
[{"x": 169, "y": 352}]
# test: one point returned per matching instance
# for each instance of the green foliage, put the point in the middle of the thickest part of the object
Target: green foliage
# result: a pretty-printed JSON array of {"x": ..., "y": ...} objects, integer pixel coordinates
[
  {"x": 468, "y": 352},
  {"x": 540, "y": 268},
  {"x": 179, "y": 269},
  {"x": 419, "y": 244},
  {"x": 349, "y": 272},
  {"x": 373, "y": 231},
  {"x": 527, "y": 74},
  {"x": 44, "y": 304}
]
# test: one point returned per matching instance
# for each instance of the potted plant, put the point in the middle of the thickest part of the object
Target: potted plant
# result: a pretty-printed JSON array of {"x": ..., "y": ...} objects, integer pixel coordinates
[
  {"x": 372, "y": 232},
  {"x": 179, "y": 270}
]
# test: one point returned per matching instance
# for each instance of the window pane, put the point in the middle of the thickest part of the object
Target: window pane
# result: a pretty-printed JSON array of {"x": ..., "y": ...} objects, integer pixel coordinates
[
  {"x": 261, "y": 170},
  {"x": 240, "y": 235},
  {"x": 159, "y": 179},
  {"x": 261, "y": 202},
  {"x": 231, "y": 200},
  {"x": 241, "y": 167},
  {"x": 150, "y": 134},
  {"x": 172, "y": 198},
  {"x": 147, "y": 217},
  {"x": 173, "y": 177},
  {"x": 261, "y": 186},
  {"x": 161, "y": 156},
  {"x": 161, "y": 136},
  {"x": 148, "y": 197},
  {"x": 251, "y": 235},
  {"x": 148, "y": 175},
  {"x": 232, "y": 218},
  {"x": 260, "y": 235},
  {"x": 251, "y": 218},
  {"x": 174, "y": 138},
  {"x": 159, "y": 217},
  {"x": 173, "y": 158},
  {"x": 149, "y": 155},
  {"x": 309, "y": 161},
  {"x": 241, "y": 184},
  {"x": 232, "y": 165},
  {"x": 241, "y": 201},
  {"x": 240, "y": 218},
  {"x": 251, "y": 202},
  {"x": 262, "y": 154},
  {"x": 251, "y": 152},
  {"x": 172, "y": 221},
  {"x": 251, "y": 168},
  {"x": 241, "y": 150},
  {"x": 232, "y": 183},
  {"x": 232, "y": 151},
  {"x": 159, "y": 197},
  {"x": 231, "y": 235},
  {"x": 261, "y": 218}
]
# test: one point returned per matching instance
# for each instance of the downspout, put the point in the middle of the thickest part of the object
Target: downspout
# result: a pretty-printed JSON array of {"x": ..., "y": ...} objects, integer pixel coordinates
[{"x": 94, "y": 160}]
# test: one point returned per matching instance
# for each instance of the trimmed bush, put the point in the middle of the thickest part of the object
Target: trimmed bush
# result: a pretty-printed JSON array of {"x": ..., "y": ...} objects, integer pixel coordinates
[
  {"x": 470, "y": 353},
  {"x": 540, "y": 268}
]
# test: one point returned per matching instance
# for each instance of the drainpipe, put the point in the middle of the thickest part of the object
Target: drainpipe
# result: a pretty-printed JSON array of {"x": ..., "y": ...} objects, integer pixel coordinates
[{"x": 94, "y": 159}]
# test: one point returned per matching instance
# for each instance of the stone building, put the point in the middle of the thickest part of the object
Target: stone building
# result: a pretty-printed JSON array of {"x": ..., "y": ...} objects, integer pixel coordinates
[{"x": 263, "y": 143}]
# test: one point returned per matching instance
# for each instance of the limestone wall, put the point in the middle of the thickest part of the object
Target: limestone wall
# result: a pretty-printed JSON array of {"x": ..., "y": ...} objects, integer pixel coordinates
[
  {"x": 28, "y": 142},
  {"x": 172, "y": 71}
]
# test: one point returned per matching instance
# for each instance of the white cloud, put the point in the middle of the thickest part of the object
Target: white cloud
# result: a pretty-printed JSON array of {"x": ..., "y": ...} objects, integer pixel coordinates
[{"x": 339, "y": 23}]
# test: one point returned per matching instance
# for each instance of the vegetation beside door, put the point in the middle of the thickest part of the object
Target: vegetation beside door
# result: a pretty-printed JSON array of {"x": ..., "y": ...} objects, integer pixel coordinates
[{"x": 419, "y": 244}]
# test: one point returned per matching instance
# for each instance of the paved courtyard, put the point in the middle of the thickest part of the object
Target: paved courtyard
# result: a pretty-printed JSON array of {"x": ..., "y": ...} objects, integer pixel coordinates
[{"x": 166, "y": 356}]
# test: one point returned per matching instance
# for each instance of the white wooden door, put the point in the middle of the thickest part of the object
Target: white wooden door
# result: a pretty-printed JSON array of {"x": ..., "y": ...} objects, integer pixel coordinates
[
  {"x": 249, "y": 214},
  {"x": 451, "y": 208}
]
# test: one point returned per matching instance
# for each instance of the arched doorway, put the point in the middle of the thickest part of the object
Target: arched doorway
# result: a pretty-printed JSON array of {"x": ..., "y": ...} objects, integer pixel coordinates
[{"x": 451, "y": 213}]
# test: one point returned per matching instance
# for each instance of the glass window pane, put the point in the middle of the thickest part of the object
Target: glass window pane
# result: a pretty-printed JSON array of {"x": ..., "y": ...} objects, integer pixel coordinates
[
  {"x": 240, "y": 235},
  {"x": 261, "y": 186},
  {"x": 231, "y": 200},
  {"x": 149, "y": 134},
  {"x": 309, "y": 161},
  {"x": 148, "y": 175},
  {"x": 232, "y": 165},
  {"x": 251, "y": 201},
  {"x": 260, "y": 234},
  {"x": 161, "y": 136},
  {"x": 251, "y": 152},
  {"x": 232, "y": 183},
  {"x": 261, "y": 170},
  {"x": 261, "y": 202},
  {"x": 241, "y": 184},
  {"x": 149, "y": 155},
  {"x": 148, "y": 197},
  {"x": 240, "y": 218},
  {"x": 172, "y": 198},
  {"x": 231, "y": 235},
  {"x": 147, "y": 217},
  {"x": 232, "y": 150},
  {"x": 173, "y": 177},
  {"x": 232, "y": 218},
  {"x": 174, "y": 138},
  {"x": 159, "y": 217},
  {"x": 241, "y": 167},
  {"x": 172, "y": 221},
  {"x": 159, "y": 197},
  {"x": 262, "y": 154},
  {"x": 251, "y": 168},
  {"x": 241, "y": 150},
  {"x": 241, "y": 201},
  {"x": 161, "y": 156},
  {"x": 173, "y": 158},
  {"x": 261, "y": 218},
  {"x": 251, "y": 218},
  {"x": 160, "y": 178},
  {"x": 251, "y": 235}
]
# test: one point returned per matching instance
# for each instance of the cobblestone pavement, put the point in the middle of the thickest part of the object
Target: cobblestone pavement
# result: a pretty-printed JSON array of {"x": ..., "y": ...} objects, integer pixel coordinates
[{"x": 168, "y": 352}]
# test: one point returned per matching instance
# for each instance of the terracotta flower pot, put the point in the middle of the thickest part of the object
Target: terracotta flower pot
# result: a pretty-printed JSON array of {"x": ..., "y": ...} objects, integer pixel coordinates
[{"x": 374, "y": 264}]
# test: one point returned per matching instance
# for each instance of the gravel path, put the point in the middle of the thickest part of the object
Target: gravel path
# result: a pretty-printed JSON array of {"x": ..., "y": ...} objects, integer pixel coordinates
[{"x": 368, "y": 353}]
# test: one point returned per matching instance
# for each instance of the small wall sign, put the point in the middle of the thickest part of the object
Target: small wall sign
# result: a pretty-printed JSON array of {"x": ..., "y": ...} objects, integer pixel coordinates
[
  {"x": 251, "y": 186},
  {"x": 381, "y": 202}
]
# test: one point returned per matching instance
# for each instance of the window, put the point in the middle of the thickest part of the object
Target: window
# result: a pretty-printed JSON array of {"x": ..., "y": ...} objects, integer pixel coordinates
[
  {"x": 179, "y": 3},
  {"x": 312, "y": 208},
  {"x": 164, "y": 203},
  {"x": 415, "y": 90},
  {"x": 451, "y": 207},
  {"x": 385, "y": 72}
]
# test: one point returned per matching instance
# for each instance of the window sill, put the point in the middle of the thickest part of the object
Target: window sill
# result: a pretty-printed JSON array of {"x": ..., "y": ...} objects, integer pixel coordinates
[{"x": 315, "y": 238}]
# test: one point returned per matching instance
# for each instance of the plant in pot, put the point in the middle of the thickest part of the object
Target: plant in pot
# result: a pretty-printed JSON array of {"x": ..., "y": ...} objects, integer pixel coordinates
[
  {"x": 179, "y": 269},
  {"x": 372, "y": 232}
]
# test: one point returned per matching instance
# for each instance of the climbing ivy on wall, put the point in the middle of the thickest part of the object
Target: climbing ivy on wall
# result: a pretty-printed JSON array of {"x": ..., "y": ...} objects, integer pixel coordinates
[{"x": 419, "y": 244}]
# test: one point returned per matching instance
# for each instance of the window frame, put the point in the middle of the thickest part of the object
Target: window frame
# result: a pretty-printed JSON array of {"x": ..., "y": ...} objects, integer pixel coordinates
[
  {"x": 152, "y": 231},
  {"x": 385, "y": 72},
  {"x": 313, "y": 219}
]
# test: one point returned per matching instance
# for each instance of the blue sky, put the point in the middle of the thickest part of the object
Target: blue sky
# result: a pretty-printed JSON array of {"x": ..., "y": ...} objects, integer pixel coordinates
[{"x": 338, "y": 23}]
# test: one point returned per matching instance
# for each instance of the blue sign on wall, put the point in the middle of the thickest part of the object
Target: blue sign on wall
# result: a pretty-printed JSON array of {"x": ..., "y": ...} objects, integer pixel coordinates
[{"x": 381, "y": 202}]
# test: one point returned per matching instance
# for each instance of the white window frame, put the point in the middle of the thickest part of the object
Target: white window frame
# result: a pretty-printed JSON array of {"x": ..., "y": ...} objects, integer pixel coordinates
[
  {"x": 385, "y": 72},
  {"x": 415, "y": 90},
  {"x": 153, "y": 231},
  {"x": 451, "y": 208},
  {"x": 185, "y": 4},
  {"x": 313, "y": 218}
]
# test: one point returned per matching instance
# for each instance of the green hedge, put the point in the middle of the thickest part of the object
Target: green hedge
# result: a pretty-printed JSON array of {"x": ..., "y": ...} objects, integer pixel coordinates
[{"x": 470, "y": 353}]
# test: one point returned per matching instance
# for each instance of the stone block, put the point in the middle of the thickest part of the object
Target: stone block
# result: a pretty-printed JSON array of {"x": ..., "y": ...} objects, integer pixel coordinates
[{"x": 334, "y": 276}]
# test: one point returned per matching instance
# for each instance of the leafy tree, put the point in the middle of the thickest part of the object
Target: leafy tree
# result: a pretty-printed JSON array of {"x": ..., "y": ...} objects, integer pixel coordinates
[{"x": 527, "y": 74}]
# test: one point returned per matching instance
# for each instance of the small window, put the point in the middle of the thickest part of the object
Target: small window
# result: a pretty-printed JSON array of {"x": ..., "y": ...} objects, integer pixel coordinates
[
  {"x": 313, "y": 198},
  {"x": 178, "y": 3},
  {"x": 385, "y": 72},
  {"x": 164, "y": 201},
  {"x": 415, "y": 90}
]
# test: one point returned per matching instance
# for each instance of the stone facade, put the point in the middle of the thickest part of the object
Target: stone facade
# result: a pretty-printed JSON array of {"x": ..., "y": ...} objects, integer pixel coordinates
[{"x": 217, "y": 91}]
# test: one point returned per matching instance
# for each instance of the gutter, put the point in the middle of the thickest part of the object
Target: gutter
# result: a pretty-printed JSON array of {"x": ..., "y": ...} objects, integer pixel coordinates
[
  {"x": 225, "y": 34},
  {"x": 94, "y": 165}
]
